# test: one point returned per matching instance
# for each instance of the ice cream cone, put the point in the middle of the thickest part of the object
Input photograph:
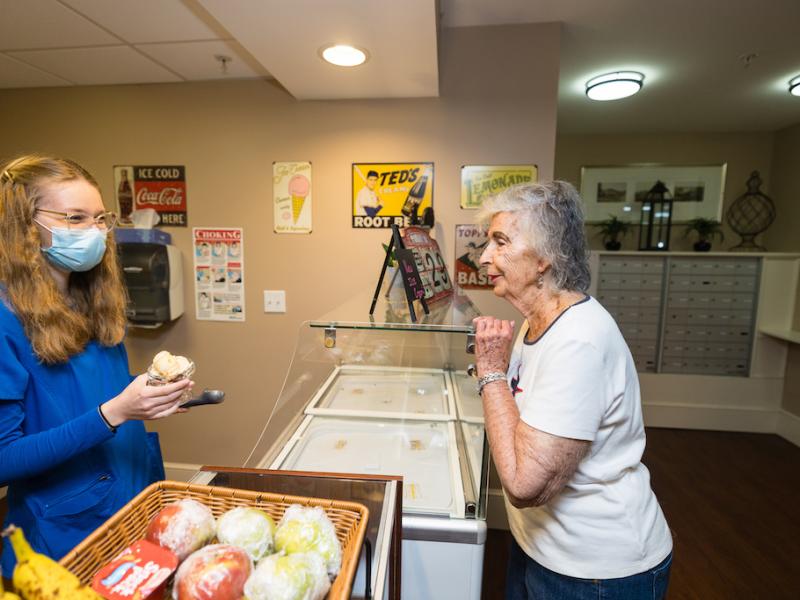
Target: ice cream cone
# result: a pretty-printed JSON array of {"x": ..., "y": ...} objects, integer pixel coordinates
[
  {"x": 299, "y": 186},
  {"x": 297, "y": 207}
]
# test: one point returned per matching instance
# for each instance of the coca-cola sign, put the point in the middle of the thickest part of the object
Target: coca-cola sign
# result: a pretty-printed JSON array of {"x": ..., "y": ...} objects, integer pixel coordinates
[{"x": 162, "y": 188}]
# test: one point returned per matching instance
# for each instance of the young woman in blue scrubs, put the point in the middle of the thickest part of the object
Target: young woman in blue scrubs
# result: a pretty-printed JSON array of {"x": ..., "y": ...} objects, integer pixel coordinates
[{"x": 73, "y": 448}]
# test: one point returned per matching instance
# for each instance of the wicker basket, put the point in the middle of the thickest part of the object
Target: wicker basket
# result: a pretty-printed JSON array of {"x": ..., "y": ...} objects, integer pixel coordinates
[{"x": 130, "y": 524}]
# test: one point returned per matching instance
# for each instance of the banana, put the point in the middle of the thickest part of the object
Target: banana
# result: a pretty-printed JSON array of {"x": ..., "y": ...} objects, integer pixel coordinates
[
  {"x": 39, "y": 577},
  {"x": 4, "y": 595}
]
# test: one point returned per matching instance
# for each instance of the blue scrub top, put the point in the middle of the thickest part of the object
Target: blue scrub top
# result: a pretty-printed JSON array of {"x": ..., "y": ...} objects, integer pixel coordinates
[{"x": 65, "y": 470}]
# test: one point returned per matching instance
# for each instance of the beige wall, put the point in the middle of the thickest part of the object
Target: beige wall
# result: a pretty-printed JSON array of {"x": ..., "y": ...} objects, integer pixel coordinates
[
  {"x": 785, "y": 235},
  {"x": 497, "y": 105},
  {"x": 743, "y": 153},
  {"x": 784, "y": 189}
]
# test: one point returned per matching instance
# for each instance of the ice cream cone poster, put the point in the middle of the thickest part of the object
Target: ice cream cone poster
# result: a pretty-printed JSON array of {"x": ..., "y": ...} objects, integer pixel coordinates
[
  {"x": 219, "y": 273},
  {"x": 291, "y": 184},
  {"x": 481, "y": 182},
  {"x": 386, "y": 193},
  {"x": 470, "y": 243}
]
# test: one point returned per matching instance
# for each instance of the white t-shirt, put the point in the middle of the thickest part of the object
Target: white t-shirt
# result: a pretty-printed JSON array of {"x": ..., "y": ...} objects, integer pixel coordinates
[
  {"x": 366, "y": 198},
  {"x": 578, "y": 380}
]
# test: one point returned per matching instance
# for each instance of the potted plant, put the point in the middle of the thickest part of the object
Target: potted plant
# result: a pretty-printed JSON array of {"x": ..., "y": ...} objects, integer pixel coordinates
[
  {"x": 611, "y": 229},
  {"x": 707, "y": 230}
]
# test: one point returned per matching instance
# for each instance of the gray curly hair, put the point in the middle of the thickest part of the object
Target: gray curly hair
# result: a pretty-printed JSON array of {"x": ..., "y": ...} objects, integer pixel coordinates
[{"x": 551, "y": 214}]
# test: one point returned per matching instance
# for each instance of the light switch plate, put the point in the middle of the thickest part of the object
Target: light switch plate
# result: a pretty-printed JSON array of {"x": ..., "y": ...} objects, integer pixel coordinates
[{"x": 275, "y": 301}]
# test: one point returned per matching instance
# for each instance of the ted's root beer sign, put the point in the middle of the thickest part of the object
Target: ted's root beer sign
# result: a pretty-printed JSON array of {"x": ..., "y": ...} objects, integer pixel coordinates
[
  {"x": 162, "y": 188},
  {"x": 386, "y": 194}
]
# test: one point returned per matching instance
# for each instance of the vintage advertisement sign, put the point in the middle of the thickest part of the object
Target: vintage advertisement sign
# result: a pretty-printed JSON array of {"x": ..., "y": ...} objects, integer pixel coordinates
[
  {"x": 480, "y": 182},
  {"x": 162, "y": 188},
  {"x": 470, "y": 243},
  {"x": 386, "y": 193},
  {"x": 430, "y": 263},
  {"x": 291, "y": 184},
  {"x": 218, "y": 273}
]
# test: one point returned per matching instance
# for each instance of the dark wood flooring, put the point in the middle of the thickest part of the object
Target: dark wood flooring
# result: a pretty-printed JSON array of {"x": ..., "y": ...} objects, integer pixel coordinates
[{"x": 732, "y": 501}]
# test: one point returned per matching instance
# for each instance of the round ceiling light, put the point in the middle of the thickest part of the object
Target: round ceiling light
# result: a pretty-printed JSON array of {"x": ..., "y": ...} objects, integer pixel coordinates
[
  {"x": 613, "y": 86},
  {"x": 794, "y": 86},
  {"x": 342, "y": 55}
]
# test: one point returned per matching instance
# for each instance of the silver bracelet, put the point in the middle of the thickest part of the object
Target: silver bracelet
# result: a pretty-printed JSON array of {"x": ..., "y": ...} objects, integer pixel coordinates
[{"x": 489, "y": 378}]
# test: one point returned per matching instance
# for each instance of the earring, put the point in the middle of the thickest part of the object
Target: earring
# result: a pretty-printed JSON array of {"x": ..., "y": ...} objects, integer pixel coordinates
[{"x": 540, "y": 281}]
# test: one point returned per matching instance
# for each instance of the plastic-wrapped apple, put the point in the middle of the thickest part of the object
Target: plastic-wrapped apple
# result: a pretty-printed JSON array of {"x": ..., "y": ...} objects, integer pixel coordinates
[
  {"x": 249, "y": 528},
  {"x": 308, "y": 529},
  {"x": 300, "y": 576},
  {"x": 182, "y": 527},
  {"x": 215, "y": 572}
]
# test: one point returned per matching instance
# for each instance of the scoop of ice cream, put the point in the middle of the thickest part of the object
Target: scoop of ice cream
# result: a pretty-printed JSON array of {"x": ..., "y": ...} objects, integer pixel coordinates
[
  {"x": 168, "y": 366},
  {"x": 298, "y": 186}
]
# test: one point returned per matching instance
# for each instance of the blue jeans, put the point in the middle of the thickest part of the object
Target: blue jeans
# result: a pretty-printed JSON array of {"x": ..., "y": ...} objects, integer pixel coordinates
[{"x": 528, "y": 580}]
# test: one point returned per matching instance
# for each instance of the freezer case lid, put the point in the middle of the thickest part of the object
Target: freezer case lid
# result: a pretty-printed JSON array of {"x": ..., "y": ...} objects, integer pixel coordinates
[
  {"x": 422, "y": 452},
  {"x": 410, "y": 393},
  {"x": 468, "y": 401}
]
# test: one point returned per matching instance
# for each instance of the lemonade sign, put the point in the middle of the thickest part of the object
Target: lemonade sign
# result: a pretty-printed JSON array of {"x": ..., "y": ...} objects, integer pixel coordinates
[{"x": 479, "y": 182}]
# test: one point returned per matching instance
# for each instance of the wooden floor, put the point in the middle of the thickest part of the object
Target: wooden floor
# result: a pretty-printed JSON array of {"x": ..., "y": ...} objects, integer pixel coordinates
[{"x": 732, "y": 501}]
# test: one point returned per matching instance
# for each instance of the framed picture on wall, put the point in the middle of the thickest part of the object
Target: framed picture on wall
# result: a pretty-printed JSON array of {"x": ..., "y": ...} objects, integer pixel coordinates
[{"x": 697, "y": 191}]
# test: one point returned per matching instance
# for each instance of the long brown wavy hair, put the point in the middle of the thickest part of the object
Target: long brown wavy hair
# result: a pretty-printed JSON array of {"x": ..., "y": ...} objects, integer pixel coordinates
[{"x": 58, "y": 327}]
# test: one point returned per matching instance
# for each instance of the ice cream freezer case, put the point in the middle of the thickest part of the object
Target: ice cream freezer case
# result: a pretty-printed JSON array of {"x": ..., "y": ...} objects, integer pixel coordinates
[{"x": 385, "y": 398}]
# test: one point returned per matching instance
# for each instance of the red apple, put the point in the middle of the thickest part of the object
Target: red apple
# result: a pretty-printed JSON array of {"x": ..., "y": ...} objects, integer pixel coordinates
[
  {"x": 216, "y": 572},
  {"x": 182, "y": 527}
]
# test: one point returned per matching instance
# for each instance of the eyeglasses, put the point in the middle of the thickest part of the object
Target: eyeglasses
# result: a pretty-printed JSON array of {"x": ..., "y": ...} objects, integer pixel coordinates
[{"x": 106, "y": 220}]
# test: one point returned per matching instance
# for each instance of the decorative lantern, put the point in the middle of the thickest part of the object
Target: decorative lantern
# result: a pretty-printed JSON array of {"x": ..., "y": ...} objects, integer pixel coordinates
[{"x": 656, "y": 219}]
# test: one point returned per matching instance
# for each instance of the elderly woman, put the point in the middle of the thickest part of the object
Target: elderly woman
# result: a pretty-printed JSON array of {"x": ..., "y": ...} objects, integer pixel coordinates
[{"x": 563, "y": 413}]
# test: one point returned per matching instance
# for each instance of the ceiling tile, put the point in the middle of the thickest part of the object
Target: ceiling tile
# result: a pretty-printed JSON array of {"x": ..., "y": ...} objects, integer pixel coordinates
[
  {"x": 195, "y": 60},
  {"x": 145, "y": 21},
  {"x": 46, "y": 24},
  {"x": 98, "y": 66},
  {"x": 285, "y": 37},
  {"x": 14, "y": 74}
]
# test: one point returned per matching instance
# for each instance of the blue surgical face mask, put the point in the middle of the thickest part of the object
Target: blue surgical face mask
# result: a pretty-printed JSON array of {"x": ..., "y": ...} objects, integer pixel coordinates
[{"x": 76, "y": 249}]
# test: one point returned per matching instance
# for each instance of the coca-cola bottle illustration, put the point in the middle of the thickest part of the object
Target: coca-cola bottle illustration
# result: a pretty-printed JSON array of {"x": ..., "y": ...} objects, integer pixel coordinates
[
  {"x": 125, "y": 195},
  {"x": 415, "y": 196}
]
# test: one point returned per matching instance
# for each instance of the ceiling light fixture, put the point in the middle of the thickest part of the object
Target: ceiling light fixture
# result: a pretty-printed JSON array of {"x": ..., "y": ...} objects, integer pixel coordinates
[
  {"x": 343, "y": 55},
  {"x": 613, "y": 86},
  {"x": 794, "y": 86}
]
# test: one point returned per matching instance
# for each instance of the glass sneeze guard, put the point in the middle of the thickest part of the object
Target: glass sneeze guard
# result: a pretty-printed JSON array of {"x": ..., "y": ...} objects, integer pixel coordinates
[{"x": 375, "y": 395}]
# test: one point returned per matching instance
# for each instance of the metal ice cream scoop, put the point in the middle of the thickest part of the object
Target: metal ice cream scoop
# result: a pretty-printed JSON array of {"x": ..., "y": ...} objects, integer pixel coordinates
[{"x": 206, "y": 397}]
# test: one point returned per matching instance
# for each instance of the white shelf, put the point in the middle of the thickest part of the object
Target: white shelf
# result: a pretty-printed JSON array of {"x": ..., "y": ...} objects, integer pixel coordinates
[{"x": 787, "y": 335}]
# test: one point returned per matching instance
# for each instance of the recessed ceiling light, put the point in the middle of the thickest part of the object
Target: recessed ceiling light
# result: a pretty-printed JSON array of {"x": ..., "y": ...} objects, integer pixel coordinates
[
  {"x": 613, "y": 86},
  {"x": 794, "y": 86},
  {"x": 342, "y": 55}
]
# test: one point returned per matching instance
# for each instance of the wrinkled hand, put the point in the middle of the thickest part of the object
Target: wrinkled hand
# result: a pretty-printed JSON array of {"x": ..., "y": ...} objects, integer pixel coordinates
[
  {"x": 494, "y": 339},
  {"x": 142, "y": 402}
]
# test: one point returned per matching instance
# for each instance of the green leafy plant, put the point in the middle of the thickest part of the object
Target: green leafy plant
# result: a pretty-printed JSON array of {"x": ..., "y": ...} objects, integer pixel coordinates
[
  {"x": 612, "y": 229},
  {"x": 392, "y": 258},
  {"x": 706, "y": 229}
]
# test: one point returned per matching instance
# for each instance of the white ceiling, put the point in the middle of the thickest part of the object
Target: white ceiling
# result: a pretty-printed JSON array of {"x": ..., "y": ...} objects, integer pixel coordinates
[{"x": 689, "y": 51}]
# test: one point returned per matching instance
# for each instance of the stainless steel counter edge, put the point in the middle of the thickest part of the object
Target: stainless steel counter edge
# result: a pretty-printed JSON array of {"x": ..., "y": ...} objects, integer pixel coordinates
[{"x": 441, "y": 529}]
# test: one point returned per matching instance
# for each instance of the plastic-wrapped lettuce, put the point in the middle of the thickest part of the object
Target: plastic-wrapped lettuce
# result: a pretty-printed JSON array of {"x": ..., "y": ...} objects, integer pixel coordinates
[
  {"x": 308, "y": 529},
  {"x": 300, "y": 576},
  {"x": 248, "y": 528}
]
